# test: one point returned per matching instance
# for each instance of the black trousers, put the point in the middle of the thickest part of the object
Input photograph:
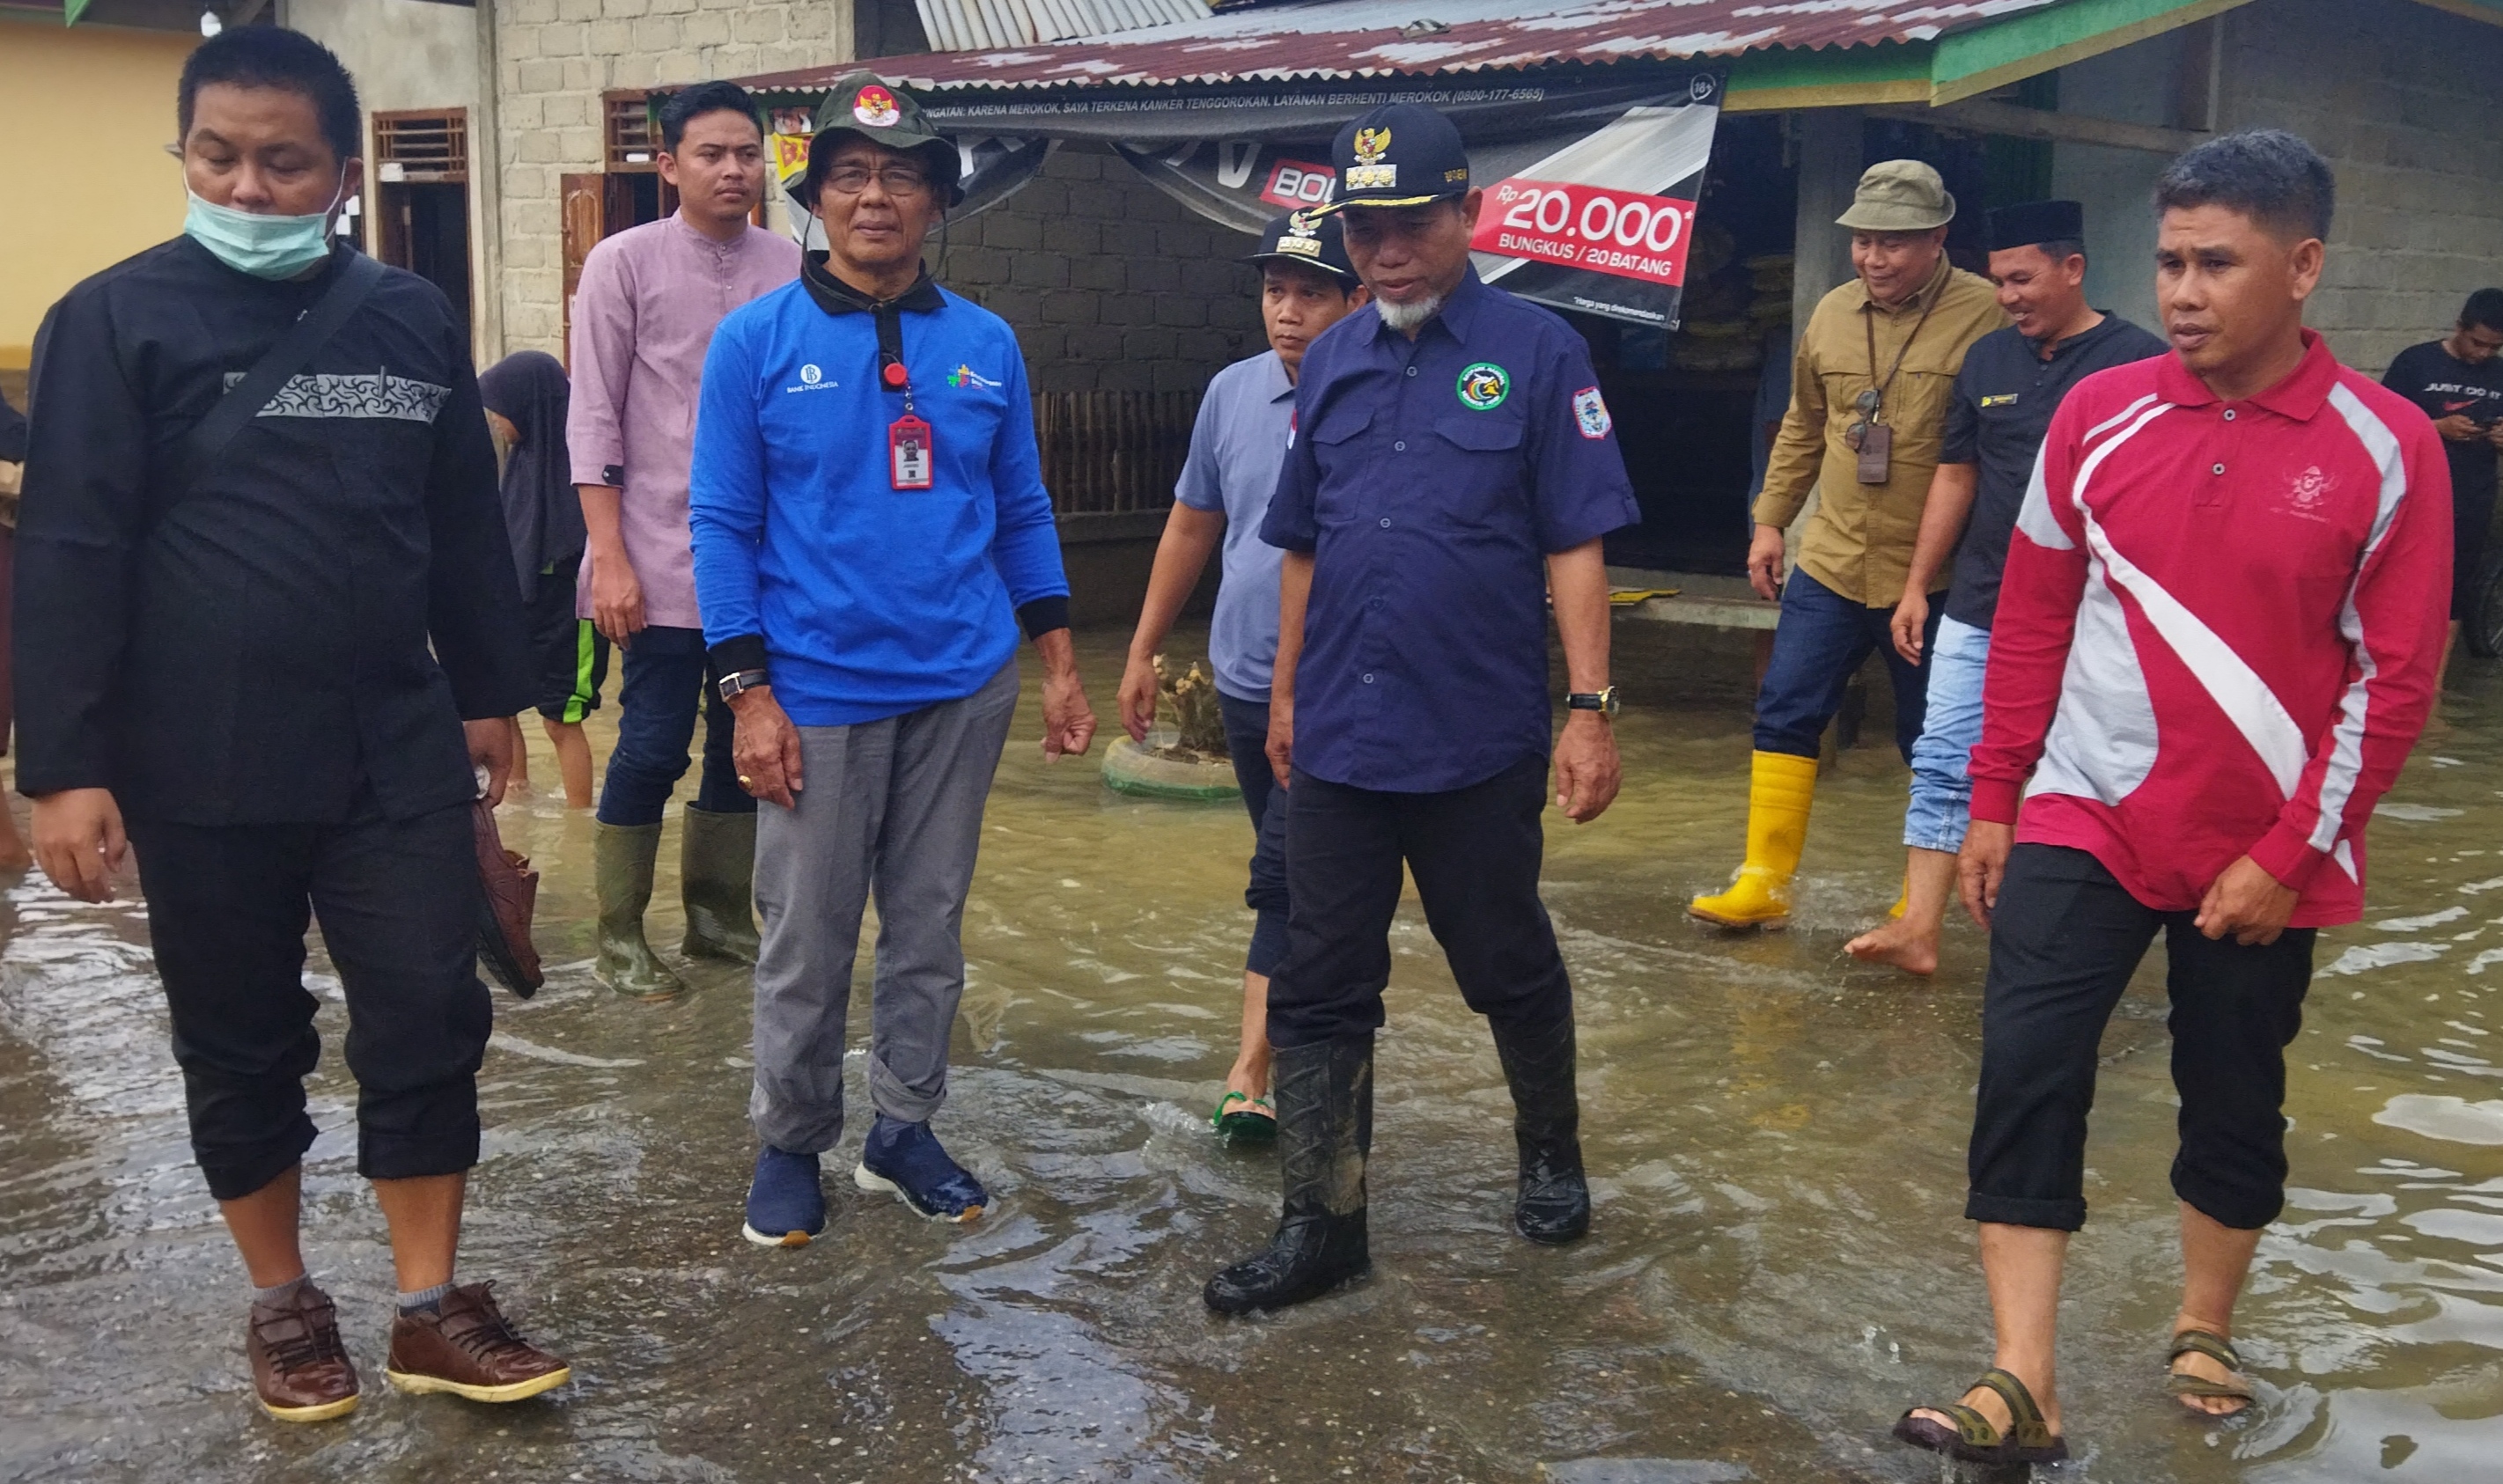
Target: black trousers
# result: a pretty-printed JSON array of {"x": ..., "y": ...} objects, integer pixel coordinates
[
  {"x": 1247, "y": 742},
  {"x": 2064, "y": 941},
  {"x": 1475, "y": 853},
  {"x": 227, "y": 907}
]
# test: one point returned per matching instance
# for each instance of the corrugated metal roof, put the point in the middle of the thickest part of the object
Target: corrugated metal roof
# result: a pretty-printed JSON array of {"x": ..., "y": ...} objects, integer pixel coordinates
[
  {"x": 1372, "y": 37},
  {"x": 969, "y": 25}
]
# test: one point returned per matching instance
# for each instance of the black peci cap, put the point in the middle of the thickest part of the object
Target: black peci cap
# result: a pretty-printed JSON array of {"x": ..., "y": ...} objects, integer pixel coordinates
[
  {"x": 2024, "y": 224},
  {"x": 1305, "y": 237},
  {"x": 1398, "y": 154}
]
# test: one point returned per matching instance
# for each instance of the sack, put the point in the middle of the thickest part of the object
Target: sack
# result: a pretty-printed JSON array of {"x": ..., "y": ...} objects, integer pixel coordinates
[{"x": 510, "y": 889}]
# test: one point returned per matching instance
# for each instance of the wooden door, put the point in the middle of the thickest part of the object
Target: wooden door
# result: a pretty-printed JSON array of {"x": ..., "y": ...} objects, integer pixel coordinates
[{"x": 586, "y": 219}]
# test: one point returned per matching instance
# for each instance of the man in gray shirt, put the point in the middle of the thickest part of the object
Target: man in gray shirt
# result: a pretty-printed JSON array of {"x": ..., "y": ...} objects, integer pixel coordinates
[{"x": 1307, "y": 285}]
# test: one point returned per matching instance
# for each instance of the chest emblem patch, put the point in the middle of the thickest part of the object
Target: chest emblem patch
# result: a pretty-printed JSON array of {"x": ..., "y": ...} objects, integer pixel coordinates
[
  {"x": 2307, "y": 492},
  {"x": 967, "y": 376},
  {"x": 1484, "y": 385},
  {"x": 1590, "y": 413},
  {"x": 2001, "y": 399}
]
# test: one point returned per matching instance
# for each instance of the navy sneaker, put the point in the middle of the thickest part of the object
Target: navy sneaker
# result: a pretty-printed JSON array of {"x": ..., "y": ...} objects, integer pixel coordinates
[
  {"x": 907, "y": 1159},
  {"x": 785, "y": 1205}
]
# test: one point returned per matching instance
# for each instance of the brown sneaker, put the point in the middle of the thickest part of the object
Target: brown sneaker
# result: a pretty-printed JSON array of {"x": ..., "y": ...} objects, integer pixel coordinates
[
  {"x": 468, "y": 1349},
  {"x": 298, "y": 1366}
]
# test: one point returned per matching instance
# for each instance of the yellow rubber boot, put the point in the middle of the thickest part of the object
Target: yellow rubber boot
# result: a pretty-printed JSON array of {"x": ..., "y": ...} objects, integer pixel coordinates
[{"x": 1777, "y": 805}]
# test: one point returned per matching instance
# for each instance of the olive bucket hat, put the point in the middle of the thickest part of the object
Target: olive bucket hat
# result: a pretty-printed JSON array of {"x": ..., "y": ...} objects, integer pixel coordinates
[
  {"x": 1899, "y": 195},
  {"x": 862, "y": 104}
]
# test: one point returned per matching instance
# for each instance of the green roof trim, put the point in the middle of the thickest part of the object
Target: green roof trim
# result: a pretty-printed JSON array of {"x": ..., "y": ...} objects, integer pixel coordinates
[
  {"x": 1964, "y": 64},
  {"x": 1988, "y": 56},
  {"x": 72, "y": 9}
]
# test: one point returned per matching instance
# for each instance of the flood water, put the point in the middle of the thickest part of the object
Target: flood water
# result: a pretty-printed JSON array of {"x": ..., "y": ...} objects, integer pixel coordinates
[{"x": 1778, "y": 1267}]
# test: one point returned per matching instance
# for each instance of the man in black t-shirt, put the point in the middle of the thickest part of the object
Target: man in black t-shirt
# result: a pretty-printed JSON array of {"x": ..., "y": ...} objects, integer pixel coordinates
[
  {"x": 2458, "y": 381},
  {"x": 2012, "y": 381}
]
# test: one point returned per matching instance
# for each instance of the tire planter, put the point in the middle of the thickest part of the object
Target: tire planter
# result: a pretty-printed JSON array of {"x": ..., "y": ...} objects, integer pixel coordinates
[{"x": 1129, "y": 768}]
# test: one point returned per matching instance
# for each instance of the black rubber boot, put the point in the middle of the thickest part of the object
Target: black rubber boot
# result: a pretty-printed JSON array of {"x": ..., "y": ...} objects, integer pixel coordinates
[
  {"x": 1555, "y": 1201},
  {"x": 1325, "y": 1097}
]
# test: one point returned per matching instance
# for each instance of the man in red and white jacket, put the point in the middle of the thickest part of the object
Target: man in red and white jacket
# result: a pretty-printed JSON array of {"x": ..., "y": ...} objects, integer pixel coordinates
[{"x": 2215, "y": 643}]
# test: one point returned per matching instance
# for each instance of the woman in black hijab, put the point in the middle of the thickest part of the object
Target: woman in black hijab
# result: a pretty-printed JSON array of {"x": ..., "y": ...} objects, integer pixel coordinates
[{"x": 526, "y": 395}]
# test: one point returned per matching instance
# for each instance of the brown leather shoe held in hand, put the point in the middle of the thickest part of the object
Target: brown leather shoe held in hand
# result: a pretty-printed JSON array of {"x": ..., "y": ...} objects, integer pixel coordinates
[
  {"x": 467, "y": 1349},
  {"x": 298, "y": 1366}
]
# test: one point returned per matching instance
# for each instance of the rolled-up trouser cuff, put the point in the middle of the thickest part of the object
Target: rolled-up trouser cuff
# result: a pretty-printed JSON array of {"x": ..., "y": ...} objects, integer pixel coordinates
[
  {"x": 2019, "y": 1211},
  {"x": 2241, "y": 1207},
  {"x": 235, "y": 1173},
  {"x": 442, "y": 1139}
]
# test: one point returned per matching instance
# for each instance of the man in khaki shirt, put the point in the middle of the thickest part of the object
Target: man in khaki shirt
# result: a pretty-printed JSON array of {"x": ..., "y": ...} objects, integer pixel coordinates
[{"x": 1868, "y": 398}]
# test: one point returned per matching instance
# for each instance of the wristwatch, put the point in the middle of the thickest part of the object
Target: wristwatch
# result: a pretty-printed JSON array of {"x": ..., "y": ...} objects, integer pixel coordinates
[
  {"x": 1604, "y": 702},
  {"x": 733, "y": 686}
]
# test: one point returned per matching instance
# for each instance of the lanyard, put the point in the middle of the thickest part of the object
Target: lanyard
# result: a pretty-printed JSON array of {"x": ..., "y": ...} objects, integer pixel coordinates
[
  {"x": 1868, "y": 322},
  {"x": 909, "y": 443}
]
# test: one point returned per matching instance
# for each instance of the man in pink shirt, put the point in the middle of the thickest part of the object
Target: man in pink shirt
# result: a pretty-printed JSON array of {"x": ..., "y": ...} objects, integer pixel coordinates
[
  {"x": 2215, "y": 644},
  {"x": 642, "y": 319}
]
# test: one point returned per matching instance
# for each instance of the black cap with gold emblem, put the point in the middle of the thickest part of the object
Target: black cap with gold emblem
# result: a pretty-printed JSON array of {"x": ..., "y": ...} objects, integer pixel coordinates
[
  {"x": 1303, "y": 237},
  {"x": 1399, "y": 154},
  {"x": 862, "y": 104}
]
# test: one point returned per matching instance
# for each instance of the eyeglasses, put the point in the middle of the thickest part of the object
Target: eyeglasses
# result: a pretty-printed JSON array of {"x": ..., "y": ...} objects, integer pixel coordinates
[{"x": 896, "y": 180}]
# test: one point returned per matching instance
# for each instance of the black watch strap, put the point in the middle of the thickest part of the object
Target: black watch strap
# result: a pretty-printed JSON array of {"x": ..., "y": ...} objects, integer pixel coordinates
[{"x": 1604, "y": 702}]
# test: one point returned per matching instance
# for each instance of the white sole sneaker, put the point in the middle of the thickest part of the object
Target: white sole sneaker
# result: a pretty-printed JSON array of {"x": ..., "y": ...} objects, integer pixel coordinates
[
  {"x": 786, "y": 1239},
  {"x": 868, "y": 1180}
]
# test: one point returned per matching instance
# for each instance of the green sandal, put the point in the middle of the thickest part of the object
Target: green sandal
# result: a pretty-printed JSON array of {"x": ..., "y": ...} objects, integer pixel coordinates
[
  {"x": 1973, "y": 1441},
  {"x": 1253, "y": 1123},
  {"x": 2217, "y": 1348}
]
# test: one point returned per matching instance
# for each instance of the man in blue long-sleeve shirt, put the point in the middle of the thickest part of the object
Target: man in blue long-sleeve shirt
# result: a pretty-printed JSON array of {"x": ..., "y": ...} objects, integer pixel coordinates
[{"x": 871, "y": 530}]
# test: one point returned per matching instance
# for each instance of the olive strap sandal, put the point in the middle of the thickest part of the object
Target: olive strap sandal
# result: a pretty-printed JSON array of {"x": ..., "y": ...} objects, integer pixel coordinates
[
  {"x": 2214, "y": 1347},
  {"x": 1973, "y": 1439}
]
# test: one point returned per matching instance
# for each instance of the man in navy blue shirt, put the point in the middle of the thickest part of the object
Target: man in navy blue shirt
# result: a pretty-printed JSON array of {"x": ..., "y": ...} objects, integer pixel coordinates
[{"x": 1450, "y": 463}]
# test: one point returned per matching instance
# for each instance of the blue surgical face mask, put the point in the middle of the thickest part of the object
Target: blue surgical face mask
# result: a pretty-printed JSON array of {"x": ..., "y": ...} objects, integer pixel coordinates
[{"x": 264, "y": 246}]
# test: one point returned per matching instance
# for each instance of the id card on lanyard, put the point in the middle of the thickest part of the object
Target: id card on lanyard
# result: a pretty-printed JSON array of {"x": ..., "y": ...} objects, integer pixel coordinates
[
  {"x": 907, "y": 451},
  {"x": 910, "y": 460}
]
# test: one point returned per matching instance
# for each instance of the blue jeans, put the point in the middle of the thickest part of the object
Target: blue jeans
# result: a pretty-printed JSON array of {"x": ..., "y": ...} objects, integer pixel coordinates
[
  {"x": 1247, "y": 744},
  {"x": 1824, "y": 638},
  {"x": 1943, "y": 759},
  {"x": 667, "y": 681}
]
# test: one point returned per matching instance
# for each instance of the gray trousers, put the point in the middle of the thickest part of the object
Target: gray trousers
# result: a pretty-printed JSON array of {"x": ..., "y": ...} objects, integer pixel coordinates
[{"x": 891, "y": 807}]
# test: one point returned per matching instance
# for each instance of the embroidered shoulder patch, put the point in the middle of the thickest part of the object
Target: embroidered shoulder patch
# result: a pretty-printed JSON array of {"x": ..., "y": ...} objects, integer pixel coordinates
[{"x": 1590, "y": 413}]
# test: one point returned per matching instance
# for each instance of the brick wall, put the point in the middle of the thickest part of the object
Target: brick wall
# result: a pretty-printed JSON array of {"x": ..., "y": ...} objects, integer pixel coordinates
[
  {"x": 1110, "y": 283},
  {"x": 2401, "y": 99}
]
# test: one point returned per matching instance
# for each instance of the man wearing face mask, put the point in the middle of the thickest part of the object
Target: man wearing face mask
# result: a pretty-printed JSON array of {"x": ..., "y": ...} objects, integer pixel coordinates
[
  {"x": 270, "y": 664},
  {"x": 871, "y": 533}
]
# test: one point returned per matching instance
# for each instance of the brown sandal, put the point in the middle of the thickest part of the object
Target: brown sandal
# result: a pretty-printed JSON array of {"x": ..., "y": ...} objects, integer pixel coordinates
[
  {"x": 2217, "y": 1348},
  {"x": 1973, "y": 1439}
]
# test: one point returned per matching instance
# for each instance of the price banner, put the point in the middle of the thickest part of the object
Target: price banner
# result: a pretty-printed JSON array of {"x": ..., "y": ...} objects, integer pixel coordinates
[{"x": 1587, "y": 227}]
